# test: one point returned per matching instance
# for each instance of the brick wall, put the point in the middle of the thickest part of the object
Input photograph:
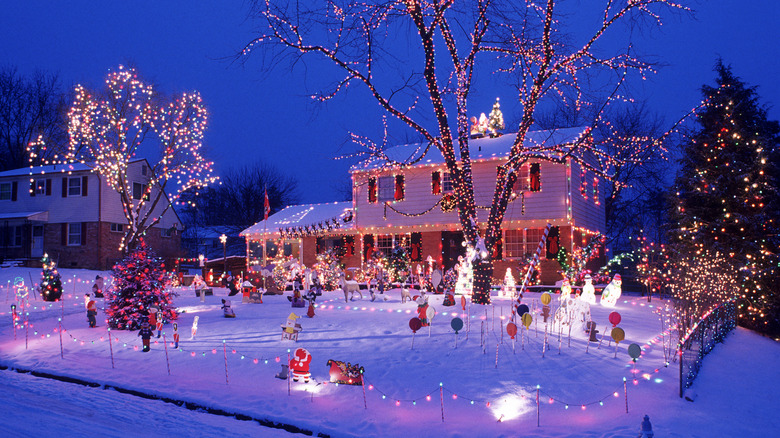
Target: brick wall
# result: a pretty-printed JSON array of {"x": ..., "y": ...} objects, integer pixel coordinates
[{"x": 90, "y": 256}]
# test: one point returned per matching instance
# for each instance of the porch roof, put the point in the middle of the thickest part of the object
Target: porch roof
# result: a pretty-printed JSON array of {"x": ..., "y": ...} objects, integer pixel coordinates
[
  {"x": 40, "y": 216},
  {"x": 305, "y": 219}
]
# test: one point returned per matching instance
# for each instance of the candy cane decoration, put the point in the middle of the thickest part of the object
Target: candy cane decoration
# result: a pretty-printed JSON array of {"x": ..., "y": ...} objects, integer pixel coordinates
[{"x": 534, "y": 262}]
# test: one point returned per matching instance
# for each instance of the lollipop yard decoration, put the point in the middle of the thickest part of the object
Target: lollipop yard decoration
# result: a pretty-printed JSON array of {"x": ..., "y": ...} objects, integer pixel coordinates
[
  {"x": 457, "y": 325},
  {"x": 414, "y": 324}
]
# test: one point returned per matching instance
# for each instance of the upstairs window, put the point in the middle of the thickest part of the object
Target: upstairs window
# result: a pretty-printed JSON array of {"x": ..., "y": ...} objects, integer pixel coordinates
[
  {"x": 74, "y": 186},
  {"x": 117, "y": 228},
  {"x": 446, "y": 182},
  {"x": 386, "y": 188},
  {"x": 139, "y": 191},
  {"x": 5, "y": 191},
  {"x": 529, "y": 178}
]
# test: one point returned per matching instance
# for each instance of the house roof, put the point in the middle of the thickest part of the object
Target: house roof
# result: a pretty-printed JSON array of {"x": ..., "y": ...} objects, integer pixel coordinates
[
  {"x": 295, "y": 218},
  {"x": 54, "y": 168},
  {"x": 42, "y": 216},
  {"x": 480, "y": 148},
  {"x": 45, "y": 170}
]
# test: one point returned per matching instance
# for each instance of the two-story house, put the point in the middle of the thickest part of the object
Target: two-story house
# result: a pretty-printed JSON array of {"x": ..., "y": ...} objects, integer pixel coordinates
[
  {"x": 412, "y": 206},
  {"x": 68, "y": 212}
]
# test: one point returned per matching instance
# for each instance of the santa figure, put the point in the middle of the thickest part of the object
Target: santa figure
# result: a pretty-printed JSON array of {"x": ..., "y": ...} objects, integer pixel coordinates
[
  {"x": 422, "y": 311},
  {"x": 588, "y": 291},
  {"x": 612, "y": 292},
  {"x": 91, "y": 311},
  {"x": 565, "y": 290},
  {"x": 299, "y": 364}
]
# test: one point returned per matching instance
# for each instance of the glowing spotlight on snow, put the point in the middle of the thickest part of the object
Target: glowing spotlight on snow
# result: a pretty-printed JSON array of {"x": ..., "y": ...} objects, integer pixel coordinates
[{"x": 510, "y": 407}]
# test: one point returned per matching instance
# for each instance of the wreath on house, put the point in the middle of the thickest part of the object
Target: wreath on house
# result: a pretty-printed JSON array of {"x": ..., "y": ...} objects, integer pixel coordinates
[{"x": 448, "y": 202}]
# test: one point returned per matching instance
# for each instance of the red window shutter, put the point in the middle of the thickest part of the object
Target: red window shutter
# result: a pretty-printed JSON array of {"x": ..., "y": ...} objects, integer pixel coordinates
[
  {"x": 436, "y": 183},
  {"x": 64, "y": 187},
  {"x": 536, "y": 177},
  {"x": 84, "y": 232},
  {"x": 64, "y": 234},
  {"x": 372, "y": 190},
  {"x": 368, "y": 246},
  {"x": 14, "y": 189},
  {"x": 84, "y": 180},
  {"x": 48, "y": 186},
  {"x": 399, "y": 188}
]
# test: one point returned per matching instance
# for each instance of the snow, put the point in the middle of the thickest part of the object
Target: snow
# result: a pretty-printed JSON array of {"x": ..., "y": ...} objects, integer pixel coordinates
[
  {"x": 302, "y": 216},
  {"x": 479, "y": 149},
  {"x": 736, "y": 389}
]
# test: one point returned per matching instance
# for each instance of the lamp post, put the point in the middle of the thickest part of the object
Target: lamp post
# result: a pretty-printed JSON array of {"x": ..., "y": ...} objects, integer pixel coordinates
[{"x": 223, "y": 239}]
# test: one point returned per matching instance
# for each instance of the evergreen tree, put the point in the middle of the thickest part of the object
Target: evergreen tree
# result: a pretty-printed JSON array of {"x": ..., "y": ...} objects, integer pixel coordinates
[
  {"x": 328, "y": 268},
  {"x": 398, "y": 264},
  {"x": 139, "y": 284},
  {"x": 51, "y": 283},
  {"x": 727, "y": 194}
]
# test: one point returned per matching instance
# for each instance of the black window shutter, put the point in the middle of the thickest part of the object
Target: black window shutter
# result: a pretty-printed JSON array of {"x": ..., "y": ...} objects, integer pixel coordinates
[
  {"x": 32, "y": 188},
  {"x": 372, "y": 190},
  {"x": 368, "y": 246},
  {"x": 399, "y": 187},
  {"x": 498, "y": 249},
  {"x": 14, "y": 189},
  {"x": 84, "y": 232},
  {"x": 436, "y": 183},
  {"x": 64, "y": 234},
  {"x": 416, "y": 247},
  {"x": 349, "y": 244},
  {"x": 48, "y": 186},
  {"x": 64, "y": 187},
  {"x": 84, "y": 180}
]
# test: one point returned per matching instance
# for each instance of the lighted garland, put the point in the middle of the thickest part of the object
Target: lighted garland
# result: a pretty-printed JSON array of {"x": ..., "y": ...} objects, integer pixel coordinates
[{"x": 448, "y": 202}]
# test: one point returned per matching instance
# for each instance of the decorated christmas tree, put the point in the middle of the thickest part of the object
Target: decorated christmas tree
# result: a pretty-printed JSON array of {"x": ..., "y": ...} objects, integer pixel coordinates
[
  {"x": 398, "y": 264},
  {"x": 509, "y": 288},
  {"x": 139, "y": 285},
  {"x": 727, "y": 195},
  {"x": 328, "y": 268},
  {"x": 496, "y": 120},
  {"x": 51, "y": 284}
]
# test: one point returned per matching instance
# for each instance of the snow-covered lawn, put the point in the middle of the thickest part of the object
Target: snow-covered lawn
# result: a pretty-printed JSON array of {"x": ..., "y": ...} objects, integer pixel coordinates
[{"x": 478, "y": 383}]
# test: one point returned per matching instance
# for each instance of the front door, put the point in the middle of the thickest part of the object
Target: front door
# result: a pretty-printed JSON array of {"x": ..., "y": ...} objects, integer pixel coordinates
[
  {"x": 451, "y": 248},
  {"x": 36, "y": 245}
]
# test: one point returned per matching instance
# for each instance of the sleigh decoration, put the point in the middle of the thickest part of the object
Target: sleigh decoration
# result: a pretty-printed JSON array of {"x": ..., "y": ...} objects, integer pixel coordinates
[{"x": 345, "y": 373}]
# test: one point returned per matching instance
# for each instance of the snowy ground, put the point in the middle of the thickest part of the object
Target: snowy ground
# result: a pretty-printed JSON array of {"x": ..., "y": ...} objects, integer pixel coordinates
[{"x": 736, "y": 390}]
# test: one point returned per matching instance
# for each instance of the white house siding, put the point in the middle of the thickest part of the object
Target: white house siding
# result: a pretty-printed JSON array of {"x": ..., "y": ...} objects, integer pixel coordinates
[
  {"x": 585, "y": 212},
  {"x": 547, "y": 205}
]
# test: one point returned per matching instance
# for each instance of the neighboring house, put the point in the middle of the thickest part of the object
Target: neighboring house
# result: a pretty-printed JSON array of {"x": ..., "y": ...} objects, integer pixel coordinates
[
  {"x": 407, "y": 205},
  {"x": 69, "y": 213}
]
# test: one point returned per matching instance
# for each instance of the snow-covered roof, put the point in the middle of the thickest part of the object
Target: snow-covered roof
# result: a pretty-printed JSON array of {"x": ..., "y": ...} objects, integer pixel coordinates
[
  {"x": 296, "y": 218},
  {"x": 31, "y": 215},
  {"x": 44, "y": 170},
  {"x": 480, "y": 148}
]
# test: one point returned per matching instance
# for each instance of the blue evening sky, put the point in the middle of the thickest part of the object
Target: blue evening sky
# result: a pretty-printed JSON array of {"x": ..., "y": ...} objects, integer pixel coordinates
[{"x": 188, "y": 45}]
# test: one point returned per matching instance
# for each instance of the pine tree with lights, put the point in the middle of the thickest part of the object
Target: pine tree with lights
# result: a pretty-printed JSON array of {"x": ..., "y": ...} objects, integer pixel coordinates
[
  {"x": 328, "y": 268},
  {"x": 398, "y": 264},
  {"x": 496, "y": 120},
  {"x": 139, "y": 284},
  {"x": 51, "y": 283},
  {"x": 727, "y": 194}
]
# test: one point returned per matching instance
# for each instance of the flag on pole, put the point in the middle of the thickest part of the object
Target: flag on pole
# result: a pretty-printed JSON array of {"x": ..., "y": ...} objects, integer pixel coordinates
[{"x": 266, "y": 207}]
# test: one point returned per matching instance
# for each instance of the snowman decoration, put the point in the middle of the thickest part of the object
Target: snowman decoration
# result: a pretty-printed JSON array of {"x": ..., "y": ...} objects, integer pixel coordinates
[
  {"x": 588, "y": 291},
  {"x": 612, "y": 292},
  {"x": 299, "y": 364}
]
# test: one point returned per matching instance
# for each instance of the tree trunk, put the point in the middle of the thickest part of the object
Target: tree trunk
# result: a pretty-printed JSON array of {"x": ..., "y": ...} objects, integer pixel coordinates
[{"x": 483, "y": 273}]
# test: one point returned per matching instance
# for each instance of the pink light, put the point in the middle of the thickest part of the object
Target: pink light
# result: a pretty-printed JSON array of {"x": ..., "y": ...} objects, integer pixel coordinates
[{"x": 255, "y": 360}]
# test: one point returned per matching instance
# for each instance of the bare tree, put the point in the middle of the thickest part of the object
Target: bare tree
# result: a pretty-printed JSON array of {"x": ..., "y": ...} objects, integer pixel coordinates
[
  {"x": 32, "y": 112},
  {"x": 108, "y": 129},
  {"x": 521, "y": 40},
  {"x": 239, "y": 198}
]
